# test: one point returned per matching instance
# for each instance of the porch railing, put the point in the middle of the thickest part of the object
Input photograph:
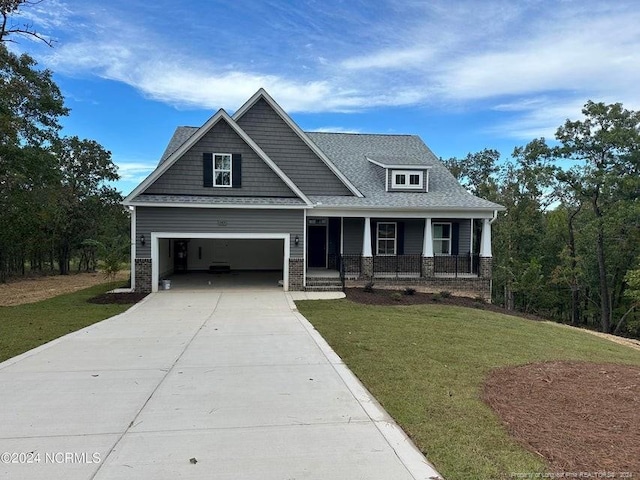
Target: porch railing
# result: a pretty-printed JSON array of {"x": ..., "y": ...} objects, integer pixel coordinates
[
  {"x": 456, "y": 265},
  {"x": 349, "y": 266},
  {"x": 397, "y": 266}
]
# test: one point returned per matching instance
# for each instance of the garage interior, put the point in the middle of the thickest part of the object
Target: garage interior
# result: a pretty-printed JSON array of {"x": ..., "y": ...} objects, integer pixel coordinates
[{"x": 208, "y": 263}]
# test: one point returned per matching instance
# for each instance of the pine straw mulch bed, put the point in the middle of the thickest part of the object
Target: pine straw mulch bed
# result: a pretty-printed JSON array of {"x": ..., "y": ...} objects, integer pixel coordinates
[
  {"x": 580, "y": 417},
  {"x": 118, "y": 298}
]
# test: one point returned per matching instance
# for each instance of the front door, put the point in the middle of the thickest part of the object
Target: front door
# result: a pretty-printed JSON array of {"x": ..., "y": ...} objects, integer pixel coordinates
[{"x": 317, "y": 246}]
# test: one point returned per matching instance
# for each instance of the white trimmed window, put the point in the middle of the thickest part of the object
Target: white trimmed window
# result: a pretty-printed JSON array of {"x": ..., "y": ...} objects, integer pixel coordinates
[
  {"x": 409, "y": 179},
  {"x": 386, "y": 238},
  {"x": 222, "y": 166},
  {"x": 442, "y": 239}
]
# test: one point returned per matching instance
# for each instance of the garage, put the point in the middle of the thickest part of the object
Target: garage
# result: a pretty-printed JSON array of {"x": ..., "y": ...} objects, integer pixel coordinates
[{"x": 201, "y": 260}]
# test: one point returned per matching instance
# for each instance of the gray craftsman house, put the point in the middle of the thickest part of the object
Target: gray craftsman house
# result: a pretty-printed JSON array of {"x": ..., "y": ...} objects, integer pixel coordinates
[{"x": 252, "y": 192}]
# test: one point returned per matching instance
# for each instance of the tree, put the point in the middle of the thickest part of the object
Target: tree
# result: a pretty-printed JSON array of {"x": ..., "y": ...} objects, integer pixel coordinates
[
  {"x": 8, "y": 27},
  {"x": 602, "y": 143}
]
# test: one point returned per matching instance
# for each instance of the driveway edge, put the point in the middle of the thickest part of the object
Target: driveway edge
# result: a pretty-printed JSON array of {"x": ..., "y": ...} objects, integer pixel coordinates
[
  {"x": 51, "y": 343},
  {"x": 410, "y": 456}
]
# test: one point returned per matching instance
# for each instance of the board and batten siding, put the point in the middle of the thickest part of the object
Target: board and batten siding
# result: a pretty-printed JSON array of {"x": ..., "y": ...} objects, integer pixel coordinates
[
  {"x": 289, "y": 152},
  {"x": 185, "y": 176},
  {"x": 211, "y": 220},
  {"x": 353, "y": 235}
]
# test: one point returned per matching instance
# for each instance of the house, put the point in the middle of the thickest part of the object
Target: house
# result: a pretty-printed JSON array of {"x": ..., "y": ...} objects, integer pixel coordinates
[{"x": 253, "y": 191}]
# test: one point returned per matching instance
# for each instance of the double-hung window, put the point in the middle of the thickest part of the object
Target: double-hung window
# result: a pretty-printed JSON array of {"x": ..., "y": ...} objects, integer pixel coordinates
[
  {"x": 386, "y": 238},
  {"x": 407, "y": 179},
  {"x": 222, "y": 170},
  {"x": 442, "y": 238}
]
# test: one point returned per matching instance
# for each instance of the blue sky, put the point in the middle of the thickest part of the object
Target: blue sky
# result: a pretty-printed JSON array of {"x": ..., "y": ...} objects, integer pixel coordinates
[{"x": 464, "y": 75}]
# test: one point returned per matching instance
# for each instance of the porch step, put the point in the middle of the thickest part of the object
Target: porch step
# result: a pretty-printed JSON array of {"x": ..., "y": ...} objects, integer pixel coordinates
[
  {"x": 323, "y": 288},
  {"x": 323, "y": 284}
]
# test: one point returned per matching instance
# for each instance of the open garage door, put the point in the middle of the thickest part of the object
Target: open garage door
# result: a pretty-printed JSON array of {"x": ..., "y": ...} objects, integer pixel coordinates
[{"x": 205, "y": 253}]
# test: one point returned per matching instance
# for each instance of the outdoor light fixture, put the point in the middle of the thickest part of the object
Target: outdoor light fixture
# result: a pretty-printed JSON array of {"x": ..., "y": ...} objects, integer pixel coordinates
[
  {"x": 142, "y": 240},
  {"x": 296, "y": 240}
]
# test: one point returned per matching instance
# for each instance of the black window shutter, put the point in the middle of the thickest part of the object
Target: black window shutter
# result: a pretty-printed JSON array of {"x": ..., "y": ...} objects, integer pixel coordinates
[
  {"x": 400, "y": 239},
  {"x": 455, "y": 238},
  {"x": 207, "y": 169},
  {"x": 236, "y": 170}
]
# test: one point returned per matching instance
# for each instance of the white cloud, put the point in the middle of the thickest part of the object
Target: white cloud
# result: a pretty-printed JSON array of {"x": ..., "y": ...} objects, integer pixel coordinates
[
  {"x": 133, "y": 171},
  {"x": 535, "y": 63},
  {"x": 336, "y": 130}
]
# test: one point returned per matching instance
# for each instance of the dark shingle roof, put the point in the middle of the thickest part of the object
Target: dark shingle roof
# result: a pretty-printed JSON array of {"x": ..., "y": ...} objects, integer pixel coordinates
[
  {"x": 350, "y": 153},
  {"x": 217, "y": 200},
  {"x": 347, "y": 152},
  {"x": 180, "y": 136}
]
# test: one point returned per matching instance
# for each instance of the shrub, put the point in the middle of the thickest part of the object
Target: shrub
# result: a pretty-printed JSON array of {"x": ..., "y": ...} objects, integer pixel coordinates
[
  {"x": 397, "y": 296},
  {"x": 445, "y": 294},
  {"x": 409, "y": 291},
  {"x": 368, "y": 287},
  {"x": 479, "y": 299}
]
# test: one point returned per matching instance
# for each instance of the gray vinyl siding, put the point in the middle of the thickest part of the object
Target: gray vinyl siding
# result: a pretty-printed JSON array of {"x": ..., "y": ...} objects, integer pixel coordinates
[
  {"x": 390, "y": 178},
  {"x": 464, "y": 232},
  {"x": 413, "y": 236},
  {"x": 353, "y": 235},
  {"x": 289, "y": 152},
  {"x": 185, "y": 176},
  {"x": 206, "y": 220}
]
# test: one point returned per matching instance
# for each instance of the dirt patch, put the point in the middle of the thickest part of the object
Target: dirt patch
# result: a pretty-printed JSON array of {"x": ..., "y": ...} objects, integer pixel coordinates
[
  {"x": 118, "y": 298},
  {"x": 35, "y": 289},
  {"x": 580, "y": 417}
]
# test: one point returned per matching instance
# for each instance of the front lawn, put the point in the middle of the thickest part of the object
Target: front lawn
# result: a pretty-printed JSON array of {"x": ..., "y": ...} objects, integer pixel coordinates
[
  {"x": 24, "y": 327},
  {"x": 426, "y": 365}
]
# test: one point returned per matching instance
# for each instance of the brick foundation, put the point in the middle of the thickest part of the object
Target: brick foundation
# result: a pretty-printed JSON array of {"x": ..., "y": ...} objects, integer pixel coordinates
[
  {"x": 427, "y": 266},
  {"x": 486, "y": 267},
  {"x": 296, "y": 274},
  {"x": 467, "y": 287},
  {"x": 143, "y": 275},
  {"x": 367, "y": 267}
]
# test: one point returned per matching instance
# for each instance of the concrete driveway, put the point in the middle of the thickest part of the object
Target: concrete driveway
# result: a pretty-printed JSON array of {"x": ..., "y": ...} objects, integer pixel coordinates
[{"x": 226, "y": 385}]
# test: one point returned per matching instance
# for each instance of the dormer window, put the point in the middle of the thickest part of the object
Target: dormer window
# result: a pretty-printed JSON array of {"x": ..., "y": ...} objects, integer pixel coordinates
[{"x": 407, "y": 179}]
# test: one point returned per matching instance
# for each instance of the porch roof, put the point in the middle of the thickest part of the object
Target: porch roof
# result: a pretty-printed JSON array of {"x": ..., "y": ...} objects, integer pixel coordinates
[{"x": 217, "y": 200}]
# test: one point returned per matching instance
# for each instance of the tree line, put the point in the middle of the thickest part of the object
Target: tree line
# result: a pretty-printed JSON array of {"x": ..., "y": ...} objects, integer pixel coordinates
[
  {"x": 55, "y": 204},
  {"x": 568, "y": 245}
]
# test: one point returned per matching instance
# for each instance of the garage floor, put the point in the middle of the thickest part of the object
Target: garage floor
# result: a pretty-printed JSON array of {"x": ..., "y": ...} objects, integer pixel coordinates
[{"x": 237, "y": 280}]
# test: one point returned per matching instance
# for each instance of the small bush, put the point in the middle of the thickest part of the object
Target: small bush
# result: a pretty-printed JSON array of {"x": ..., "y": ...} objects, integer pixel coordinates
[
  {"x": 397, "y": 296},
  {"x": 368, "y": 287},
  {"x": 445, "y": 294},
  {"x": 409, "y": 291},
  {"x": 479, "y": 299}
]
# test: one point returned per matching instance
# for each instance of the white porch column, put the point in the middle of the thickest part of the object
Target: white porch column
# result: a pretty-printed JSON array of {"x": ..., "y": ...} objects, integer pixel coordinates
[
  {"x": 485, "y": 239},
  {"x": 366, "y": 241},
  {"x": 427, "y": 244}
]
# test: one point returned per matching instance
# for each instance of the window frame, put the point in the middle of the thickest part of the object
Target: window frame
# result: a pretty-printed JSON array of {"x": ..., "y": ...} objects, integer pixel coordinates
[
  {"x": 219, "y": 170},
  {"x": 440, "y": 239},
  {"x": 407, "y": 177},
  {"x": 394, "y": 239}
]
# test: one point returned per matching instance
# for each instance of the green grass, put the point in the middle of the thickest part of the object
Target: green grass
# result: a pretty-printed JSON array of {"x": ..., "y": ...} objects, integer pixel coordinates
[
  {"x": 24, "y": 327},
  {"x": 426, "y": 365}
]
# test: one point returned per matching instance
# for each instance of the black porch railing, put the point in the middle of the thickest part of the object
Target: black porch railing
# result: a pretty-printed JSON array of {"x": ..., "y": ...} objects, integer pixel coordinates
[
  {"x": 397, "y": 265},
  {"x": 456, "y": 264},
  {"x": 349, "y": 266}
]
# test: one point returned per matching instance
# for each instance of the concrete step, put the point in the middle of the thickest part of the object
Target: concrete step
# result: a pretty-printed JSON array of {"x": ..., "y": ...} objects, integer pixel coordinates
[
  {"x": 324, "y": 282},
  {"x": 323, "y": 288}
]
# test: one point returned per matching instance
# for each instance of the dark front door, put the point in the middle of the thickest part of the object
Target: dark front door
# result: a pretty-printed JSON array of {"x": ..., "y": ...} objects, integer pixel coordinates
[{"x": 317, "y": 246}]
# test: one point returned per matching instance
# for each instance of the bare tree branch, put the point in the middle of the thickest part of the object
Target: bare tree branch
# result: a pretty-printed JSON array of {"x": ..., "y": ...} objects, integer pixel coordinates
[{"x": 12, "y": 7}]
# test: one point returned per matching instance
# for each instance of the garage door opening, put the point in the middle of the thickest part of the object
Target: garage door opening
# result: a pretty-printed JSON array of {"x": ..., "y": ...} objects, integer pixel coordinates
[{"x": 215, "y": 261}]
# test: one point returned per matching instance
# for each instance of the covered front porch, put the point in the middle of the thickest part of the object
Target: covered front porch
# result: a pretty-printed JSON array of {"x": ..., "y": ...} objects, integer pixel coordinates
[{"x": 349, "y": 248}]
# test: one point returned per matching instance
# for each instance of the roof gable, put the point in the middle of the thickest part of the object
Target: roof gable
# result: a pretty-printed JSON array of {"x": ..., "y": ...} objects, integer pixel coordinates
[
  {"x": 197, "y": 135},
  {"x": 271, "y": 127}
]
